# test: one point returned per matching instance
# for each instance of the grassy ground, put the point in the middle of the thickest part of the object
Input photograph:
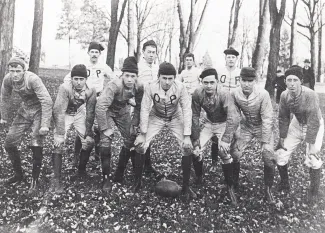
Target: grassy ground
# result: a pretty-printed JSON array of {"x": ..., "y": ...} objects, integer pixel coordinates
[{"x": 84, "y": 208}]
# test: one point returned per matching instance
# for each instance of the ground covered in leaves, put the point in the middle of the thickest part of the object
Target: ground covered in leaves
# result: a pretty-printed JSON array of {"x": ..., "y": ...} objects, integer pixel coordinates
[{"x": 84, "y": 208}]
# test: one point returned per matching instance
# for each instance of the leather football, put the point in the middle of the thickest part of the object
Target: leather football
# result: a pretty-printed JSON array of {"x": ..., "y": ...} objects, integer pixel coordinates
[{"x": 168, "y": 188}]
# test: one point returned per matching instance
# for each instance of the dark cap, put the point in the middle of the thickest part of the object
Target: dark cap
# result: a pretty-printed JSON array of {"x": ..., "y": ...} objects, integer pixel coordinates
[
  {"x": 79, "y": 70},
  {"x": 149, "y": 43},
  {"x": 248, "y": 73},
  {"x": 17, "y": 61},
  {"x": 130, "y": 64},
  {"x": 208, "y": 72},
  {"x": 306, "y": 61},
  {"x": 95, "y": 45},
  {"x": 166, "y": 68},
  {"x": 231, "y": 51},
  {"x": 296, "y": 71}
]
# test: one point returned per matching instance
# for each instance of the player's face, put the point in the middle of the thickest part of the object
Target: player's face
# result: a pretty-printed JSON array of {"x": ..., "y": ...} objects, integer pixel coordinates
[
  {"x": 189, "y": 62},
  {"x": 129, "y": 79},
  {"x": 247, "y": 86},
  {"x": 149, "y": 54},
  {"x": 78, "y": 82},
  {"x": 209, "y": 84},
  {"x": 231, "y": 60},
  {"x": 307, "y": 64},
  {"x": 166, "y": 81},
  {"x": 94, "y": 55},
  {"x": 293, "y": 84},
  {"x": 16, "y": 73}
]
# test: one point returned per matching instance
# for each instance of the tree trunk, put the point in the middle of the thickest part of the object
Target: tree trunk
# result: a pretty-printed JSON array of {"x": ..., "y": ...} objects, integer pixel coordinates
[
  {"x": 231, "y": 19},
  {"x": 188, "y": 36},
  {"x": 320, "y": 47},
  {"x": 35, "y": 53},
  {"x": 113, "y": 31},
  {"x": 258, "y": 54},
  {"x": 233, "y": 26},
  {"x": 276, "y": 22},
  {"x": 131, "y": 25},
  {"x": 313, "y": 52},
  {"x": 293, "y": 34},
  {"x": 138, "y": 44},
  {"x": 7, "y": 17}
]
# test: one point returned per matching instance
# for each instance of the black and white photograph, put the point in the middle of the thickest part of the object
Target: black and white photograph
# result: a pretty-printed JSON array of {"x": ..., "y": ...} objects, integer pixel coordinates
[{"x": 154, "y": 116}]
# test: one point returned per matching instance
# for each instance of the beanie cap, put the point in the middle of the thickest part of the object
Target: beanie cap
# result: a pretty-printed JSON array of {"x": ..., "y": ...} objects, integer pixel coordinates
[
  {"x": 79, "y": 70},
  {"x": 18, "y": 61},
  {"x": 208, "y": 72},
  {"x": 295, "y": 70},
  {"x": 130, "y": 65},
  {"x": 166, "y": 68},
  {"x": 248, "y": 73},
  {"x": 95, "y": 45}
]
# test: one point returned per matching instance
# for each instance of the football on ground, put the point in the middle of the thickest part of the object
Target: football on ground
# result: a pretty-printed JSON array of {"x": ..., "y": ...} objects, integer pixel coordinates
[{"x": 168, "y": 188}]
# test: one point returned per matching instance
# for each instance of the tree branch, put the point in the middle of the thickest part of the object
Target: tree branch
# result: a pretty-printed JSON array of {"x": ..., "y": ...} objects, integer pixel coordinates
[{"x": 304, "y": 35}]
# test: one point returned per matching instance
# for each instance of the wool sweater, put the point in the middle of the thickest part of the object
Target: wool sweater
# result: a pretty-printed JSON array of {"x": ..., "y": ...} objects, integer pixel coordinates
[
  {"x": 217, "y": 108},
  {"x": 256, "y": 110},
  {"x": 306, "y": 109},
  {"x": 32, "y": 92},
  {"x": 170, "y": 104},
  {"x": 113, "y": 102},
  {"x": 68, "y": 100}
]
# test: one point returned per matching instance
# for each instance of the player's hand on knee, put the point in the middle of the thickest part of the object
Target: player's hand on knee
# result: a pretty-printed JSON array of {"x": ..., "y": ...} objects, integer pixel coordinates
[
  {"x": 58, "y": 140},
  {"x": 280, "y": 145},
  {"x": 224, "y": 146},
  {"x": 43, "y": 131},
  {"x": 187, "y": 143},
  {"x": 140, "y": 140}
]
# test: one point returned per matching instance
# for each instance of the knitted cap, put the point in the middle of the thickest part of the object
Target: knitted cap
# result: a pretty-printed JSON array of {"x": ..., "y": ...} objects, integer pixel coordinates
[
  {"x": 209, "y": 72},
  {"x": 295, "y": 70},
  {"x": 231, "y": 51},
  {"x": 166, "y": 68},
  {"x": 130, "y": 65},
  {"x": 95, "y": 45},
  {"x": 248, "y": 73},
  {"x": 79, "y": 70},
  {"x": 17, "y": 61},
  {"x": 149, "y": 43}
]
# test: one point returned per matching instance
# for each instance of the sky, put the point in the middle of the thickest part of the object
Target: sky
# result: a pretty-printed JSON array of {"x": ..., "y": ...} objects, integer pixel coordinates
[{"x": 213, "y": 37}]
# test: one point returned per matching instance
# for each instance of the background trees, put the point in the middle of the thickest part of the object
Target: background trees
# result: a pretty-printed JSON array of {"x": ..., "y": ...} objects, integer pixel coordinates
[
  {"x": 35, "y": 53},
  {"x": 7, "y": 16}
]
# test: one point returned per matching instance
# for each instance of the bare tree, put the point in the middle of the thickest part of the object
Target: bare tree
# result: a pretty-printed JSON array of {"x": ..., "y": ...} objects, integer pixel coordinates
[
  {"x": 312, "y": 26},
  {"x": 320, "y": 45},
  {"x": 188, "y": 32},
  {"x": 131, "y": 25},
  {"x": 233, "y": 21},
  {"x": 276, "y": 17},
  {"x": 258, "y": 54},
  {"x": 293, "y": 34},
  {"x": 114, "y": 30},
  {"x": 7, "y": 18},
  {"x": 35, "y": 53}
]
